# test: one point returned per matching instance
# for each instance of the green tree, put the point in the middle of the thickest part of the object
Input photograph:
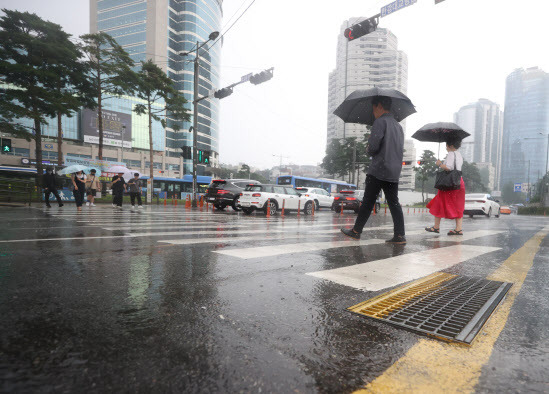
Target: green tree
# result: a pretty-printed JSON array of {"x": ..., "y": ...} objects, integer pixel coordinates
[
  {"x": 426, "y": 170},
  {"x": 110, "y": 73},
  {"x": 340, "y": 153},
  {"x": 161, "y": 99},
  {"x": 244, "y": 172},
  {"x": 472, "y": 179},
  {"x": 32, "y": 50}
]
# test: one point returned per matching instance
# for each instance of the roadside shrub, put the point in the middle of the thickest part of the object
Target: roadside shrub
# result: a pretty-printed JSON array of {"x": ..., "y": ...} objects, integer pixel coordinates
[{"x": 533, "y": 211}]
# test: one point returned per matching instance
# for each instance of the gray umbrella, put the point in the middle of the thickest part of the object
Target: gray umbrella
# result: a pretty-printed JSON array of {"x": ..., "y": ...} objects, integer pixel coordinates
[{"x": 357, "y": 107}]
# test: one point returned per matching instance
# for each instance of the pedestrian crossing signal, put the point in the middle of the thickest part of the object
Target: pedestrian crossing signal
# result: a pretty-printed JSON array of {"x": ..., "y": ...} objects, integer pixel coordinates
[
  {"x": 6, "y": 145},
  {"x": 187, "y": 152}
]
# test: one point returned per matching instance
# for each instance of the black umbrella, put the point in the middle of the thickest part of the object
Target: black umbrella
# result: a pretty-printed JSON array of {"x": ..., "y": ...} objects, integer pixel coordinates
[
  {"x": 440, "y": 132},
  {"x": 357, "y": 107}
]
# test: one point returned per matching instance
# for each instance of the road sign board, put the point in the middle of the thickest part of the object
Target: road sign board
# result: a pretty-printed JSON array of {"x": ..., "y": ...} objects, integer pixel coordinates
[
  {"x": 525, "y": 187},
  {"x": 246, "y": 78},
  {"x": 395, "y": 6},
  {"x": 518, "y": 187}
]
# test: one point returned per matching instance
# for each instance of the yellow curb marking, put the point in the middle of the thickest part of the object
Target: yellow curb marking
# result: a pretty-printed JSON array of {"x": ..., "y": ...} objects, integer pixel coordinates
[{"x": 431, "y": 366}]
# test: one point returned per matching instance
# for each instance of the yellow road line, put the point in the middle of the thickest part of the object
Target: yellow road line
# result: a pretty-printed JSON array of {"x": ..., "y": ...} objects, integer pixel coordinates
[{"x": 431, "y": 366}]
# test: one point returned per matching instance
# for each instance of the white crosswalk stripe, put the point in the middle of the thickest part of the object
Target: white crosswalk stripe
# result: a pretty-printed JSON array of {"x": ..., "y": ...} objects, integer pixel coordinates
[
  {"x": 381, "y": 274},
  {"x": 277, "y": 250}
]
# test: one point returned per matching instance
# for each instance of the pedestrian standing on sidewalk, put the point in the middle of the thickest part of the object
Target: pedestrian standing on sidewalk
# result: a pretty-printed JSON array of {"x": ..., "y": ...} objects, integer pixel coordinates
[
  {"x": 135, "y": 190},
  {"x": 92, "y": 185},
  {"x": 449, "y": 204},
  {"x": 118, "y": 187},
  {"x": 386, "y": 147},
  {"x": 50, "y": 187},
  {"x": 79, "y": 188}
]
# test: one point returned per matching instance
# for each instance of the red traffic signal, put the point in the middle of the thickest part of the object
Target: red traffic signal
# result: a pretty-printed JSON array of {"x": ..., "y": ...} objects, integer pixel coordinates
[
  {"x": 361, "y": 29},
  {"x": 419, "y": 162}
]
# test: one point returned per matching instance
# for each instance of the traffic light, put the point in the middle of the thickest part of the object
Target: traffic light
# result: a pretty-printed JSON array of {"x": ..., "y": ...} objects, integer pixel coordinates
[
  {"x": 222, "y": 93},
  {"x": 187, "y": 152},
  {"x": 261, "y": 77},
  {"x": 206, "y": 156},
  {"x": 6, "y": 145},
  {"x": 419, "y": 162},
  {"x": 200, "y": 156},
  {"x": 361, "y": 29}
]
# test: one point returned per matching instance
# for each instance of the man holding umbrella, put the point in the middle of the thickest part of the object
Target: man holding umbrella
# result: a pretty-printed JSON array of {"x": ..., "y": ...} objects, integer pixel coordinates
[{"x": 385, "y": 146}]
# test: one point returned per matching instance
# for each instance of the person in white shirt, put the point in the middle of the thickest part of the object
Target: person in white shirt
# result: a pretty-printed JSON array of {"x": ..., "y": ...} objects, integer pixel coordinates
[{"x": 449, "y": 204}]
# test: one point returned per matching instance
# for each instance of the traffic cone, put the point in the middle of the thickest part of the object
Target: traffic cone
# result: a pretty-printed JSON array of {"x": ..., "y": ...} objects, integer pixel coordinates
[
  {"x": 175, "y": 202},
  {"x": 283, "y": 205},
  {"x": 268, "y": 208},
  {"x": 165, "y": 202},
  {"x": 313, "y": 212},
  {"x": 374, "y": 211},
  {"x": 298, "y": 207}
]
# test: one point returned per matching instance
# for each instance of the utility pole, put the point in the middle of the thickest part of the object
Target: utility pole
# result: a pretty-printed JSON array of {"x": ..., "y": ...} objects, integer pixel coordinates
[
  {"x": 354, "y": 162},
  {"x": 196, "y": 100},
  {"x": 529, "y": 188}
]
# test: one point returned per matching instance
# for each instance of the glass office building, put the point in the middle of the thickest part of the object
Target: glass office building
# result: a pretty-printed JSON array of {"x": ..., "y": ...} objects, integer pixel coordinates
[
  {"x": 160, "y": 30},
  {"x": 525, "y": 125}
]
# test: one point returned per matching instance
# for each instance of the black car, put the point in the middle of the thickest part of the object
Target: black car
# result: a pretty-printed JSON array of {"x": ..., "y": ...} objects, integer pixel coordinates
[
  {"x": 226, "y": 192},
  {"x": 352, "y": 199}
]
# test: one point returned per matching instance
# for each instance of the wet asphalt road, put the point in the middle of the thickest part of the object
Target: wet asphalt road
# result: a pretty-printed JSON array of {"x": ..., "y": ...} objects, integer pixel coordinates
[{"x": 171, "y": 300}]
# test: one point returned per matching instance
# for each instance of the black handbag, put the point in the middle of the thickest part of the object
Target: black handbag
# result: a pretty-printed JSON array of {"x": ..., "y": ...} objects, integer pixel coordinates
[{"x": 448, "y": 180}]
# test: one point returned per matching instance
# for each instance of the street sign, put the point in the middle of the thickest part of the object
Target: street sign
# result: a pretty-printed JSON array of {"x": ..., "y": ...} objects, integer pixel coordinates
[
  {"x": 149, "y": 191},
  {"x": 518, "y": 187},
  {"x": 48, "y": 146},
  {"x": 525, "y": 187},
  {"x": 395, "y": 6},
  {"x": 246, "y": 78},
  {"x": 496, "y": 193}
]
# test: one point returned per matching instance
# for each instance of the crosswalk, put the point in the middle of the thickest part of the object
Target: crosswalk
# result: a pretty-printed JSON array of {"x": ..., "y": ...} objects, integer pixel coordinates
[{"x": 237, "y": 237}]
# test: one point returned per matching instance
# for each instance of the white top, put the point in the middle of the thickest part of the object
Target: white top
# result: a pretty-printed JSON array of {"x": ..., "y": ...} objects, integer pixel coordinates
[{"x": 454, "y": 156}]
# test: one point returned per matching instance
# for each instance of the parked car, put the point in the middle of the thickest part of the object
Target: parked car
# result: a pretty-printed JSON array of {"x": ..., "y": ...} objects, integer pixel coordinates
[
  {"x": 321, "y": 197},
  {"x": 273, "y": 197},
  {"x": 352, "y": 199},
  {"x": 505, "y": 210},
  {"x": 226, "y": 192},
  {"x": 481, "y": 204}
]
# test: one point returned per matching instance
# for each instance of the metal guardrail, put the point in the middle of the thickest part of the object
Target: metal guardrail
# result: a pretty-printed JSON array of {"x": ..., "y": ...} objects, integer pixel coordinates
[{"x": 16, "y": 190}]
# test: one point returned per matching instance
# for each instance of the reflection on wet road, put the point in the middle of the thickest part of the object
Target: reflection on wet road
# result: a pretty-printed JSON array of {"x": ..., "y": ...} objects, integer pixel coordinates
[{"x": 168, "y": 299}]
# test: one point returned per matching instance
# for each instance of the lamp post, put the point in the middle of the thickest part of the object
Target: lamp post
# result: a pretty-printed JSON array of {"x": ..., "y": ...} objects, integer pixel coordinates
[{"x": 196, "y": 100}]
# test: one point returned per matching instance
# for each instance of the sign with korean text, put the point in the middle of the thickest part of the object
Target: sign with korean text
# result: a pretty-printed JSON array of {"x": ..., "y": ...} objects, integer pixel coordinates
[{"x": 395, "y": 6}]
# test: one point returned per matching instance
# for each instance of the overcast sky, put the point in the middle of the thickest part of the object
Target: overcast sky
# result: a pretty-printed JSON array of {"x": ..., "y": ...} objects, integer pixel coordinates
[{"x": 458, "y": 51}]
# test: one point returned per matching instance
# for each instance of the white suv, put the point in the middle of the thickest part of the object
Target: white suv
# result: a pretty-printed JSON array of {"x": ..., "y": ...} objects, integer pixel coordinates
[
  {"x": 321, "y": 197},
  {"x": 481, "y": 204},
  {"x": 256, "y": 197}
]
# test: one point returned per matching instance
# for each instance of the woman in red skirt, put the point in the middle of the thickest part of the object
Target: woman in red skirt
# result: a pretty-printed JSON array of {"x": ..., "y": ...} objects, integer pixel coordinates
[{"x": 449, "y": 204}]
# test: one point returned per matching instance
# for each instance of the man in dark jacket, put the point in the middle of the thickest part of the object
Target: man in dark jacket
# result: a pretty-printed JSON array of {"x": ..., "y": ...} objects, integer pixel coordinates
[
  {"x": 386, "y": 147},
  {"x": 118, "y": 187},
  {"x": 48, "y": 181}
]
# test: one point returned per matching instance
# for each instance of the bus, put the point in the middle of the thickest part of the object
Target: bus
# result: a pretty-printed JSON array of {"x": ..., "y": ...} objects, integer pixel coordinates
[
  {"x": 177, "y": 187},
  {"x": 330, "y": 185}
]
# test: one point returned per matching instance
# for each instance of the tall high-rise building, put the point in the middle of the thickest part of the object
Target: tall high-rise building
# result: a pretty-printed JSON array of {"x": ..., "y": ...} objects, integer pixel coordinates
[
  {"x": 484, "y": 121},
  {"x": 369, "y": 61},
  {"x": 160, "y": 30},
  {"x": 525, "y": 126}
]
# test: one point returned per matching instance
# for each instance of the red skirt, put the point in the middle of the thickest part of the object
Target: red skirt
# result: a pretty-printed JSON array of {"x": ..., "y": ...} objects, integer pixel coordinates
[{"x": 448, "y": 204}]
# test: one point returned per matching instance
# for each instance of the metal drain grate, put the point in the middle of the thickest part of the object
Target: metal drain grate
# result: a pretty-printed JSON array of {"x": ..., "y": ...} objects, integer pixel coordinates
[{"x": 449, "y": 307}]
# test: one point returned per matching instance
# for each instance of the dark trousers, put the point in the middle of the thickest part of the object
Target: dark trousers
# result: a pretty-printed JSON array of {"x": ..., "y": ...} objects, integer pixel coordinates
[
  {"x": 133, "y": 195},
  {"x": 79, "y": 196},
  {"x": 390, "y": 189},
  {"x": 55, "y": 193},
  {"x": 118, "y": 197}
]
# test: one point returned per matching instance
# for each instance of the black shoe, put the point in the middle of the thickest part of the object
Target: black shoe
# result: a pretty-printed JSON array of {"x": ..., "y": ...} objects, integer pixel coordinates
[
  {"x": 48, "y": 206},
  {"x": 397, "y": 239},
  {"x": 60, "y": 205},
  {"x": 351, "y": 233}
]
